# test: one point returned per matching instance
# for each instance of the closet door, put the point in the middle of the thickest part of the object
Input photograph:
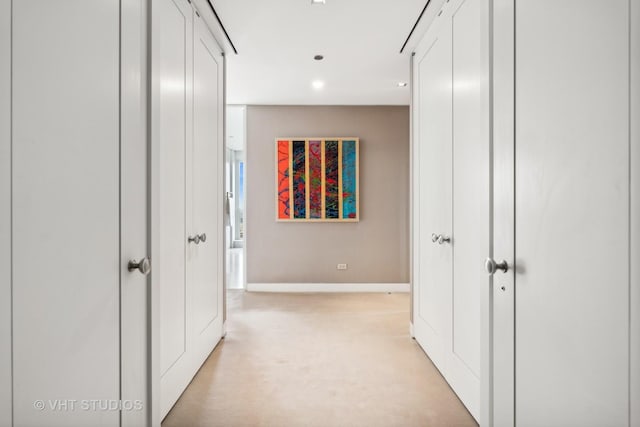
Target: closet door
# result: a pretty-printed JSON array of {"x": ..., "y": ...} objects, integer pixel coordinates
[
  {"x": 188, "y": 68},
  {"x": 432, "y": 198},
  {"x": 205, "y": 266},
  {"x": 452, "y": 193},
  {"x": 471, "y": 196},
  {"x": 572, "y": 213},
  {"x": 66, "y": 208},
  {"x": 172, "y": 20}
]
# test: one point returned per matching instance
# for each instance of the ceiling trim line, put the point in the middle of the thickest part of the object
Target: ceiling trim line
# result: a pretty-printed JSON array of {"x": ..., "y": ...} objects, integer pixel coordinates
[
  {"x": 412, "y": 29},
  {"x": 224, "y": 30}
]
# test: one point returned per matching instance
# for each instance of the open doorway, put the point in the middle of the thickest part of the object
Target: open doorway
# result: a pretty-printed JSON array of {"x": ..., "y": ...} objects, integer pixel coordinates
[{"x": 235, "y": 191}]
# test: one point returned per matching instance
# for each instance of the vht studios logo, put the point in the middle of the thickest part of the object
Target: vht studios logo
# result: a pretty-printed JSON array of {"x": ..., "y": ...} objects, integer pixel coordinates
[{"x": 97, "y": 405}]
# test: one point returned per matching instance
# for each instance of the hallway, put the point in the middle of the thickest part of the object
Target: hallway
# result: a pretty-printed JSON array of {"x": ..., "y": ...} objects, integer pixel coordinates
[{"x": 318, "y": 360}]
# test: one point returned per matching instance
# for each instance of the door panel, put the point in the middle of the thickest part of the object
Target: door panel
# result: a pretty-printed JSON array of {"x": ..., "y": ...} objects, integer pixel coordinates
[
  {"x": 572, "y": 213},
  {"x": 470, "y": 200},
  {"x": 66, "y": 260},
  {"x": 171, "y": 51},
  {"x": 189, "y": 123},
  {"x": 433, "y": 267},
  {"x": 452, "y": 193},
  {"x": 171, "y": 262},
  {"x": 206, "y": 266}
]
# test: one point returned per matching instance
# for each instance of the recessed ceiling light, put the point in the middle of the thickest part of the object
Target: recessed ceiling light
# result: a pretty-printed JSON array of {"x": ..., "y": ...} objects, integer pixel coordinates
[
  {"x": 317, "y": 1},
  {"x": 317, "y": 84},
  {"x": 402, "y": 84},
  {"x": 318, "y": 57}
]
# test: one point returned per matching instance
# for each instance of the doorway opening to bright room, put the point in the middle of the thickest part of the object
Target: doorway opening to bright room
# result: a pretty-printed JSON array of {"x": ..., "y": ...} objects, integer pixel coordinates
[{"x": 235, "y": 196}]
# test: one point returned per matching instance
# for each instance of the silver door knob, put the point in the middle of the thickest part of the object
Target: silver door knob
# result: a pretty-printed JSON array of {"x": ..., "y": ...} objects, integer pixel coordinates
[
  {"x": 143, "y": 266},
  {"x": 491, "y": 266},
  {"x": 435, "y": 237},
  {"x": 194, "y": 239},
  {"x": 442, "y": 239},
  {"x": 203, "y": 237}
]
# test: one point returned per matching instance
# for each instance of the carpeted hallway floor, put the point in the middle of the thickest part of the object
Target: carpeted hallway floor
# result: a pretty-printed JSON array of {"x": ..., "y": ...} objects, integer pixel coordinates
[{"x": 325, "y": 360}]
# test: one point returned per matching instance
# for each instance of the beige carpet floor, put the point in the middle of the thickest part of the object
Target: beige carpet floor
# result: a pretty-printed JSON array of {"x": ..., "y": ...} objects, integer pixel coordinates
[{"x": 292, "y": 360}]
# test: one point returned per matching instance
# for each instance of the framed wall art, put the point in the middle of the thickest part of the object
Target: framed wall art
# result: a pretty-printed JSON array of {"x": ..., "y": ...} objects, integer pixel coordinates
[{"x": 317, "y": 179}]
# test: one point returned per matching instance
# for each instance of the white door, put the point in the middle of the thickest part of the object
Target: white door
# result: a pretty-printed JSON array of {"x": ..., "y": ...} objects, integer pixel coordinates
[
  {"x": 187, "y": 197},
  {"x": 471, "y": 197},
  {"x": 66, "y": 209},
  {"x": 452, "y": 193},
  {"x": 572, "y": 213},
  {"x": 572, "y": 218},
  {"x": 205, "y": 266},
  {"x": 432, "y": 198},
  {"x": 172, "y": 117}
]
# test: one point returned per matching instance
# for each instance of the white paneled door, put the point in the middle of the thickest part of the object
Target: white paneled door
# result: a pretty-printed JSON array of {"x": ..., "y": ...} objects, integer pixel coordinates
[
  {"x": 471, "y": 197},
  {"x": 572, "y": 213},
  {"x": 76, "y": 309},
  {"x": 572, "y": 306},
  {"x": 432, "y": 198},
  {"x": 452, "y": 193},
  {"x": 187, "y": 231},
  {"x": 171, "y": 46},
  {"x": 206, "y": 258}
]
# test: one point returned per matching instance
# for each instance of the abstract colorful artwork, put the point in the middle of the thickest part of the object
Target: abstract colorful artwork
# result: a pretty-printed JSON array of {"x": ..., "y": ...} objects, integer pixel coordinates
[{"x": 317, "y": 179}]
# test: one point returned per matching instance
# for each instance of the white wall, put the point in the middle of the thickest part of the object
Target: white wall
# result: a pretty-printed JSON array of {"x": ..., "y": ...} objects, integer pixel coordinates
[{"x": 5, "y": 213}]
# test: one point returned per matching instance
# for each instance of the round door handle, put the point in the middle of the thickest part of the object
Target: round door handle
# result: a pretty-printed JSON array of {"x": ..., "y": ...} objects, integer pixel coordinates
[
  {"x": 435, "y": 237},
  {"x": 491, "y": 266},
  {"x": 203, "y": 237},
  {"x": 143, "y": 266},
  {"x": 442, "y": 239},
  {"x": 194, "y": 239}
]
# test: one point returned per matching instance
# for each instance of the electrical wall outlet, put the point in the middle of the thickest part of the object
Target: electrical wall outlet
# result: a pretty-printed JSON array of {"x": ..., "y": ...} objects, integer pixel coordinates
[{"x": 342, "y": 266}]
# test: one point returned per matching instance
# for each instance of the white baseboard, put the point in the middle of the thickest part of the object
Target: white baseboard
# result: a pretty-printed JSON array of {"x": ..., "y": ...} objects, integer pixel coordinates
[
  {"x": 328, "y": 287},
  {"x": 411, "y": 334}
]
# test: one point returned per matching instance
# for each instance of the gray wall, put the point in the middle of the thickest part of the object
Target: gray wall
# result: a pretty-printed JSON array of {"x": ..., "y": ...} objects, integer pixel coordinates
[{"x": 376, "y": 249}]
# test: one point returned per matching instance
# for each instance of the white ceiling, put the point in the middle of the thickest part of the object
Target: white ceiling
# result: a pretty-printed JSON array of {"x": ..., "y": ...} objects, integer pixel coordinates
[{"x": 277, "y": 39}]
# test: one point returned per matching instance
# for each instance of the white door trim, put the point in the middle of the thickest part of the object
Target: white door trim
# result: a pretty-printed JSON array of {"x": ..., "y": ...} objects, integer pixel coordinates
[
  {"x": 133, "y": 210},
  {"x": 486, "y": 330},
  {"x": 153, "y": 108},
  {"x": 499, "y": 332}
]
